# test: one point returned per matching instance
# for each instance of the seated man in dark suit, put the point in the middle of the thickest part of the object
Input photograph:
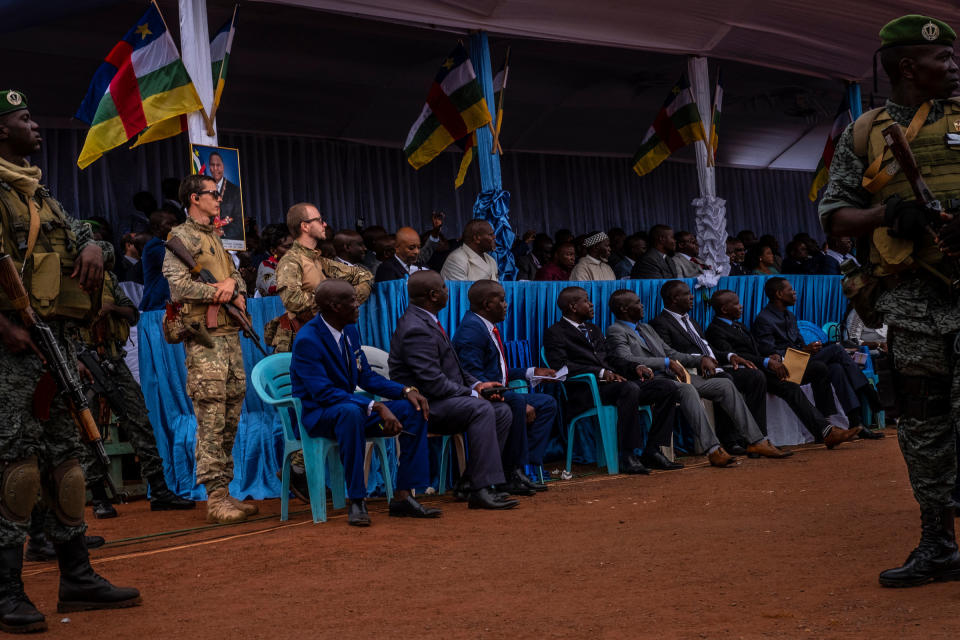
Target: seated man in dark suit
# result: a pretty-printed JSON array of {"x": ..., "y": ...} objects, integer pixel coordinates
[
  {"x": 579, "y": 345},
  {"x": 656, "y": 262},
  {"x": 327, "y": 366},
  {"x": 682, "y": 332},
  {"x": 728, "y": 336},
  {"x": 775, "y": 330},
  {"x": 637, "y": 344},
  {"x": 479, "y": 346},
  {"x": 405, "y": 260},
  {"x": 422, "y": 355}
]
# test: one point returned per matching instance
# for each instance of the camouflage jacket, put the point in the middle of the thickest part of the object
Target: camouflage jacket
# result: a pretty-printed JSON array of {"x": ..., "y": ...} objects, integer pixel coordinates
[{"x": 299, "y": 272}]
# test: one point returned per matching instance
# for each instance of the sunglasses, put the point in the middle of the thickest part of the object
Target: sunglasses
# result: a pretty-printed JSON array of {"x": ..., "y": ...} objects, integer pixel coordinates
[
  {"x": 309, "y": 220},
  {"x": 212, "y": 192}
]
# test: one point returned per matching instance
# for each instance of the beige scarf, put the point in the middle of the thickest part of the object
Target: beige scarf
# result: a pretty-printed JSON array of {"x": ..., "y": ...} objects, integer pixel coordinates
[{"x": 26, "y": 180}]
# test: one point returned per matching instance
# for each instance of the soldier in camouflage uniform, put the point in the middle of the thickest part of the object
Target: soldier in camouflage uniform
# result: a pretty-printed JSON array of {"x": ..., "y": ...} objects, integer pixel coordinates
[
  {"x": 107, "y": 336},
  {"x": 216, "y": 380},
  {"x": 865, "y": 195},
  {"x": 299, "y": 272},
  {"x": 62, "y": 265}
]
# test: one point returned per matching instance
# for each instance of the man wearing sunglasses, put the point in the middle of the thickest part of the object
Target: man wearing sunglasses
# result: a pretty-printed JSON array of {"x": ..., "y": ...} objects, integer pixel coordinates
[{"x": 216, "y": 380}]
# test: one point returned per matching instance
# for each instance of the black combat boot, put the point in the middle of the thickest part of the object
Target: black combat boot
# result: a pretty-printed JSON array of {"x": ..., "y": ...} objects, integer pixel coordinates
[
  {"x": 162, "y": 499},
  {"x": 17, "y": 613},
  {"x": 81, "y": 589},
  {"x": 935, "y": 559}
]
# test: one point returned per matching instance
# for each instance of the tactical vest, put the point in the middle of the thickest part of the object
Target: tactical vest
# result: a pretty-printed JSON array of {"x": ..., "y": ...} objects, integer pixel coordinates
[
  {"x": 112, "y": 331},
  {"x": 312, "y": 272},
  {"x": 53, "y": 293},
  {"x": 940, "y": 167},
  {"x": 209, "y": 253}
]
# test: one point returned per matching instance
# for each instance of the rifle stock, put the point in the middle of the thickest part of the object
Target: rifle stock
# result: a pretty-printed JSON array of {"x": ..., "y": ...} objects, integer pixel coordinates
[
  {"x": 56, "y": 364},
  {"x": 180, "y": 251}
]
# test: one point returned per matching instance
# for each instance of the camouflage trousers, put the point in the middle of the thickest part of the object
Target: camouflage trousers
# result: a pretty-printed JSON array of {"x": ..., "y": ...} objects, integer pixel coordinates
[
  {"x": 52, "y": 441},
  {"x": 216, "y": 382},
  {"x": 923, "y": 324},
  {"x": 135, "y": 422}
]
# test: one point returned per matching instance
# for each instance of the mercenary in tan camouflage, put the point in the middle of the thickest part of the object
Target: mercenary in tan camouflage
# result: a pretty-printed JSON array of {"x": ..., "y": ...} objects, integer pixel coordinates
[
  {"x": 61, "y": 265},
  {"x": 868, "y": 196},
  {"x": 299, "y": 272},
  {"x": 216, "y": 381}
]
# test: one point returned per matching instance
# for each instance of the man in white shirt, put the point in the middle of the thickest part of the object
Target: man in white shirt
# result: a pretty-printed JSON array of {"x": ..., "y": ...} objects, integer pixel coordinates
[
  {"x": 593, "y": 266},
  {"x": 838, "y": 248},
  {"x": 472, "y": 260}
]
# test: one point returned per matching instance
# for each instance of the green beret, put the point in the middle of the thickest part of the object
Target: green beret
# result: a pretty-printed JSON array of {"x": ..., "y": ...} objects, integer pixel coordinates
[
  {"x": 11, "y": 101},
  {"x": 916, "y": 30}
]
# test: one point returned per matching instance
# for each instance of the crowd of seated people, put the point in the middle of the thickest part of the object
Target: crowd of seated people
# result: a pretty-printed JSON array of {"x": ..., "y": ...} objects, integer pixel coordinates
[{"x": 460, "y": 384}]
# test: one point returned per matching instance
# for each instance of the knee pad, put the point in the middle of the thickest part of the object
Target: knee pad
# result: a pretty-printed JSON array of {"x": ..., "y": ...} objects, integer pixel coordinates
[
  {"x": 19, "y": 483},
  {"x": 68, "y": 492}
]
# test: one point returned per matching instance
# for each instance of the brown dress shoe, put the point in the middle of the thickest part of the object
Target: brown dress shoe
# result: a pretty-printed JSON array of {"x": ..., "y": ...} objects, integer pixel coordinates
[
  {"x": 720, "y": 458},
  {"x": 766, "y": 449},
  {"x": 838, "y": 435}
]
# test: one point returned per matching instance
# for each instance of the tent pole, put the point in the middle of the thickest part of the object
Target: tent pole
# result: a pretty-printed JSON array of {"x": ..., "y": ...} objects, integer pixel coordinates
[
  {"x": 493, "y": 203},
  {"x": 195, "y": 51},
  {"x": 711, "y": 218}
]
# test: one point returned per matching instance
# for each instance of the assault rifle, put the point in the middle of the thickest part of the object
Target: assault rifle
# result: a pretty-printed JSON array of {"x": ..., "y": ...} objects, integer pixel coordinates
[
  {"x": 177, "y": 248},
  {"x": 102, "y": 384},
  {"x": 896, "y": 140},
  {"x": 56, "y": 363}
]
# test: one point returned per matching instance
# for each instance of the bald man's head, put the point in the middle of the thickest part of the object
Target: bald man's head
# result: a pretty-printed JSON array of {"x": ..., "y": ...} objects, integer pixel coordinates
[
  {"x": 408, "y": 245},
  {"x": 337, "y": 302},
  {"x": 427, "y": 289}
]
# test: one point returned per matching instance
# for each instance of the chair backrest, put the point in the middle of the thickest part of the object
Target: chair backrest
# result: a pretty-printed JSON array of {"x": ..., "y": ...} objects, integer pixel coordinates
[
  {"x": 810, "y": 332},
  {"x": 378, "y": 359},
  {"x": 832, "y": 330},
  {"x": 271, "y": 380}
]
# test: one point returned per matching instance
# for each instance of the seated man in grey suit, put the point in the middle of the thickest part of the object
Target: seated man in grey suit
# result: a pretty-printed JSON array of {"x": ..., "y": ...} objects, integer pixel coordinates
[
  {"x": 422, "y": 356},
  {"x": 638, "y": 344},
  {"x": 656, "y": 262}
]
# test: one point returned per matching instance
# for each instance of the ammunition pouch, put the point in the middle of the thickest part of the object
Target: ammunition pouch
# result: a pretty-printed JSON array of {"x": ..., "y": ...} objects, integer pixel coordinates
[
  {"x": 922, "y": 397},
  {"x": 280, "y": 332},
  {"x": 19, "y": 484}
]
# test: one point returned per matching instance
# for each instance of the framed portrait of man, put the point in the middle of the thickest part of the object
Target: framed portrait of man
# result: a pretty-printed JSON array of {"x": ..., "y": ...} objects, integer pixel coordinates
[{"x": 223, "y": 165}]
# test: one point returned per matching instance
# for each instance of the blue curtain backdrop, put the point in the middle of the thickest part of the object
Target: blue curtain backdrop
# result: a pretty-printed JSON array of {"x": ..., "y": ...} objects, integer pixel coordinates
[
  {"x": 350, "y": 180},
  {"x": 532, "y": 308}
]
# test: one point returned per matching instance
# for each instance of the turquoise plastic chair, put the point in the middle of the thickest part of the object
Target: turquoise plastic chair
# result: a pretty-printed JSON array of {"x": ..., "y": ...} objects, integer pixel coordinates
[
  {"x": 811, "y": 332},
  {"x": 874, "y": 379},
  {"x": 606, "y": 417},
  {"x": 832, "y": 330},
  {"x": 271, "y": 380}
]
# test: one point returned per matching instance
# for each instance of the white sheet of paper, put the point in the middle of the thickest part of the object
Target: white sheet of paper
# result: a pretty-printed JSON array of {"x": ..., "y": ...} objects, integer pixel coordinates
[{"x": 560, "y": 377}]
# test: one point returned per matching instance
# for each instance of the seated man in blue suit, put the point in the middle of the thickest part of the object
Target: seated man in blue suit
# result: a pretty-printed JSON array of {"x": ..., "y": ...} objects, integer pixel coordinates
[
  {"x": 480, "y": 348},
  {"x": 327, "y": 365}
]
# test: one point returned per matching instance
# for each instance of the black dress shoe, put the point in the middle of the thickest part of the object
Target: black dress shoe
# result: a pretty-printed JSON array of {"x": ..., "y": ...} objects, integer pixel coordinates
[
  {"x": 462, "y": 490},
  {"x": 869, "y": 434},
  {"x": 484, "y": 498},
  {"x": 514, "y": 487},
  {"x": 166, "y": 500},
  {"x": 736, "y": 450},
  {"x": 519, "y": 475},
  {"x": 357, "y": 515},
  {"x": 102, "y": 509},
  {"x": 657, "y": 460},
  {"x": 630, "y": 463},
  {"x": 410, "y": 508}
]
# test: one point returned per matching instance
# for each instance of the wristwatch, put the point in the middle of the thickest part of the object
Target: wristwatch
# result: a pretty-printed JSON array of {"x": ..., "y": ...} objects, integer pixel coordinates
[{"x": 407, "y": 390}]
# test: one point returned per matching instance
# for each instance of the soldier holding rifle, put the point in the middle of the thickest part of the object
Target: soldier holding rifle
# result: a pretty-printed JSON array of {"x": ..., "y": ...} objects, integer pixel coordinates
[
  {"x": 61, "y": 265},
  {"x": 895, "y": 183},
  {"x": 215, "y": 304}
]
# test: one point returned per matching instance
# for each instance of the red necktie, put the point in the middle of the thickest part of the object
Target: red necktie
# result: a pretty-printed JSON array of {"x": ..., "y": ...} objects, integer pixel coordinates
[
  {"x": 503, "y": 351},
  {"x": 441, "y": 329}
]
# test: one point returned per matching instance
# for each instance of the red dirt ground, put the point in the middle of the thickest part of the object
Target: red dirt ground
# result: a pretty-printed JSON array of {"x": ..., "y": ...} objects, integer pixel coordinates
[{"x": 782, "y": 549}]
